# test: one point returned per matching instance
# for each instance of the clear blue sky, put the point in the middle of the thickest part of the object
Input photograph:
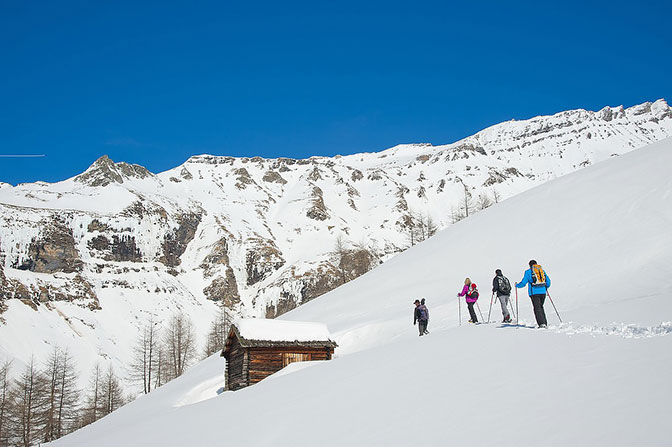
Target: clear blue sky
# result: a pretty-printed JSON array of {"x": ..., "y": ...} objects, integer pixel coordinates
[{"x": 156, "y": 82}]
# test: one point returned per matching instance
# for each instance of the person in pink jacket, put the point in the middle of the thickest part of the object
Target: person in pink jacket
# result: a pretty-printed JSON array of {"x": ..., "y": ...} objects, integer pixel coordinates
[{"x": 471, "y": 292}]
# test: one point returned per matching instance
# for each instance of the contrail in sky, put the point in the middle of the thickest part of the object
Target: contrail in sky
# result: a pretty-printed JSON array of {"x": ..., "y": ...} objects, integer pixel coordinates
[{"x": 22, "y": 156}]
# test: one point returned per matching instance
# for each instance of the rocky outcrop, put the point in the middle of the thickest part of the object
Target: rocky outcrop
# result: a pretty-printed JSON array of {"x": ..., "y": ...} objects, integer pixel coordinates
[
  {"x": 4, "y": 295},
  {"x": 315, "y": 175},
  {"x": 53, "y": 251},
  {"x": 175, "y": 242},
  {"x": 97, "y": 225},
  {"x": 224, "y": 289},
  {"x": 243, "y": 178},
  {"x": 494, "y": 177},
  {"x": 104, "y": 172},
  {"x": 264, "y": 244},
  {"x": 121, "y": 248},
  {"x": 273, "y": 177},
  {"x": 311, "y": 284},
  {"x": 318, "y": 210},
  {"x": 262, "y": 259},
  {"x": 353, "y": 263},
  {"x": 77, "y": 290},
  {"x": 185, "y": 174},
  {"x": 218, "y": 256}
]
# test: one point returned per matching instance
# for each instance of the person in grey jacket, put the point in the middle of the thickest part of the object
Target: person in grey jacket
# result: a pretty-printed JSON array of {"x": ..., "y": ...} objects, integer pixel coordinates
[{"x": 502, "y": 286}]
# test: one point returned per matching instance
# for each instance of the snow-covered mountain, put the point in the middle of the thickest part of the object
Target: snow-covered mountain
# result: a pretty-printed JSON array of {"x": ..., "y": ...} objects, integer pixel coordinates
[
  {"x": 599, "y": 379},
  {"x": 86, "y": 261}
]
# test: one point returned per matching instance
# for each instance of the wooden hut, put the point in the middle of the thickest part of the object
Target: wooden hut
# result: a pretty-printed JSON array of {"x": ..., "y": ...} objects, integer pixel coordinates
[{"x": 257, "y": 348}]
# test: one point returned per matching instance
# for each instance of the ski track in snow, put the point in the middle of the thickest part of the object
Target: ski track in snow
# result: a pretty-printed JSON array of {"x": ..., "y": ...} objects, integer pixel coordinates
[
  {"x": 617, "y": 329},
  {"x": 623, "y": 330}
]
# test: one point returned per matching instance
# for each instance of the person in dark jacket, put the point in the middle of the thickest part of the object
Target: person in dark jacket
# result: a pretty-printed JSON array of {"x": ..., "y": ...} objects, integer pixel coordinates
[
  {"x": 502, "y": 286},
  {"x": 536, "y": 289},
  {"x": 421, "y": 316}
]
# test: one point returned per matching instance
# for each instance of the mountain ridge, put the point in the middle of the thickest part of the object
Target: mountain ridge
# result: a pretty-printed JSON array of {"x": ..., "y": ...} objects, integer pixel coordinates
[{"x": 258, "y": 236}]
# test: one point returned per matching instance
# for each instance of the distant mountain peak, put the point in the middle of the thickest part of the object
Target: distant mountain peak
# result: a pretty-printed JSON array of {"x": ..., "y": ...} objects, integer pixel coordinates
[
  {"x": 257, "y": 236},
  {"x": 104, "y": 171}
]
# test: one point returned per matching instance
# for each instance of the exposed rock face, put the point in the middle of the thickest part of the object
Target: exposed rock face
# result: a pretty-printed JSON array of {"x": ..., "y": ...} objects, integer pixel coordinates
[
  {"x": 256, "y": 236},
  {"x": 313, "y": 283},
  {"x": 261, "y": 260},
  {"x": 175, "y": 242},
  {"x": 273, "y": 177},
  {"x": 284, "y": 304},
  {"x": 121, "y": 249},
  {"x": 4, "y": 292},
  {"x": 219, "y": 256},
  {"x": 318, "y": 210},
  {"x": 96, "y": 225},
  {"x": 224, "y": 289},
  {"x": 495, "y": 177},
  {"x": 356, "y": 262},
  {"x": 244, "y": 178},
  {"x": 104, "y": 172},
  {"x": 315, "y": 175},
  {"x": 185, "y": 174},
  {"x": 53, "y": 252}
]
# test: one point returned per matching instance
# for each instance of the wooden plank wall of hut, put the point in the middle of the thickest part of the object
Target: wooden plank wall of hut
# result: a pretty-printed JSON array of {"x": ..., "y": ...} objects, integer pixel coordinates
[
  {"x": 266, "y": 361},
  {"x": 236, "y": 376}
]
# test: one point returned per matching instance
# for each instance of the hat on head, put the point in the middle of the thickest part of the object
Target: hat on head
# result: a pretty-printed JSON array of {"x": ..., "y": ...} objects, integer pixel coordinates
[
  {"x": 498, "y": 272},
  {"x": 416, "y": 302},
  {"x": 532, "y": 262}
]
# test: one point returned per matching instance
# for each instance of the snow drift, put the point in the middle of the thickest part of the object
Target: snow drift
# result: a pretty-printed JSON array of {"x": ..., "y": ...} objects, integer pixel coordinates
[{"x": 603, "y": 234}]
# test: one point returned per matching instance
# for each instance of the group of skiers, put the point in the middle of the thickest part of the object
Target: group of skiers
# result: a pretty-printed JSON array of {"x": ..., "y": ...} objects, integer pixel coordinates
[{"x": 535, "y": 278}]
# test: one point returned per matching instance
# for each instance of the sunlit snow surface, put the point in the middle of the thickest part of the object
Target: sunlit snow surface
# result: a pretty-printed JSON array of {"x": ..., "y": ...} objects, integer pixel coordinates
[
  {"x": 367, "y": 197},
  {"x": 599, "y": 379},
  {"x": 280, "y": 330}
]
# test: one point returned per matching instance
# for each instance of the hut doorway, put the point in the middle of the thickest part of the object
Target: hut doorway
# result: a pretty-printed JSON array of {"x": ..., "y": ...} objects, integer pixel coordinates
[{"x": 290, "y": 357}]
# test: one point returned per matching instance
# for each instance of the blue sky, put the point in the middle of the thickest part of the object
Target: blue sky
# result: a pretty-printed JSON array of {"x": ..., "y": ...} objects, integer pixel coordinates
[{"x": 156, "y": 82}]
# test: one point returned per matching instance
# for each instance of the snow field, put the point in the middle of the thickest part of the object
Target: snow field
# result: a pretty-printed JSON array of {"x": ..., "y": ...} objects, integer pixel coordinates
[{"x": 600, "y": 379}]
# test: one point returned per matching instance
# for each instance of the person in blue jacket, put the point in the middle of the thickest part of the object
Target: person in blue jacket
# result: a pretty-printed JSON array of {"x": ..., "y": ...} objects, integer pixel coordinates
[{"x": 537, "y": 290}]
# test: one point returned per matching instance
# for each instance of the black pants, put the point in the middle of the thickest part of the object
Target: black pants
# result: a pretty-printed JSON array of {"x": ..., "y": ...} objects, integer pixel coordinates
[
  {"x": 538, "y": 304},
  {"x": 422, "y": 326},
  {"x": 472, "y": 313}
]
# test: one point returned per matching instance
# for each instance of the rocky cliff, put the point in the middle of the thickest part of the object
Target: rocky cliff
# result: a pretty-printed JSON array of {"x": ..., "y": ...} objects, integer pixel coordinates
[{"x": 97, "y": 255}]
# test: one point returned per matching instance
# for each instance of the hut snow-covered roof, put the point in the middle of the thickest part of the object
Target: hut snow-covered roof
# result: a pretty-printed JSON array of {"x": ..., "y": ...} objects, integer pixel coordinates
[{"x": 259, "y": 332}]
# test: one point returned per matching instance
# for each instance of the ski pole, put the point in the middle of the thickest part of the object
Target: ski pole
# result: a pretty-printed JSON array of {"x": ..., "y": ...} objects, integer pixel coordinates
[
  {"x": 459, "y": 309},
  {"x": 490, "y": 310},
  {"x": 479, "y": 311},
  {"x": 510, "y": 304},
  {"x": 517, "y": 313},
  {"x": 556, "y": 309}
]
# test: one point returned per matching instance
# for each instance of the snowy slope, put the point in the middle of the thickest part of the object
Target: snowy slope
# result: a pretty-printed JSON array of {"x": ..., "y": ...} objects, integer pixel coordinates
[
  {"x": 600, "y": 379},
  {"x": 86, "y": 262}
]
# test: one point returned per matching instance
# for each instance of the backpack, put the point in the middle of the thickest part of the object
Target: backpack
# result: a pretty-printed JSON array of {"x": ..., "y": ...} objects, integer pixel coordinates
[
  {"x": 503, "y": 285},
  {"x": 538, "y": 275},
  {"x": 473, "y": 294},
  {"x": 423, "y": 313}
]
